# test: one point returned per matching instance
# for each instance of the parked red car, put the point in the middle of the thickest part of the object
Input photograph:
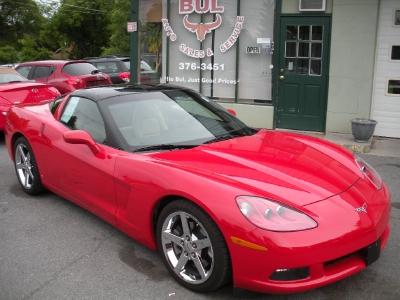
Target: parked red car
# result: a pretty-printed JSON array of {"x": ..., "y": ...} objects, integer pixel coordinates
[
  {"x": 15, "y": 89},
  {"x": 65, "y": 75},
  {"x": 274, "y": 212}
]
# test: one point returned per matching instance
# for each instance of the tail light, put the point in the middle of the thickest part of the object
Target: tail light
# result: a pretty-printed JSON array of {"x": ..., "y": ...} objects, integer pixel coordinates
[
  {"x": 125, "y": 76},
  {"x": 73, "y": 80}
]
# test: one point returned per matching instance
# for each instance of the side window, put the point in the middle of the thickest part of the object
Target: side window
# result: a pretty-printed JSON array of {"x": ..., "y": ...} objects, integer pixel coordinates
[
  {"x": 24, "y": 71},
  {"x": 83, "y": 114},
  {"x": 107, "y": 67},
  {"x": 42, "y": 72}
]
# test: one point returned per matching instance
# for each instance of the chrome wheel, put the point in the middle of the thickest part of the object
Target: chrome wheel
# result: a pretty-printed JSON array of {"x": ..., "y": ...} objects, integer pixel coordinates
[
  {"x": 187, "y": 247},
  {"x": 23, "y": 166},
  {"x": 192, "y": 247},
  {"x": 26, "y": 167}
]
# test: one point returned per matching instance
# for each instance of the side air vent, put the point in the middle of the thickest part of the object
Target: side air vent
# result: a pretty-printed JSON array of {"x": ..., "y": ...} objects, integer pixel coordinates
[{"x": 312, "y": 5}]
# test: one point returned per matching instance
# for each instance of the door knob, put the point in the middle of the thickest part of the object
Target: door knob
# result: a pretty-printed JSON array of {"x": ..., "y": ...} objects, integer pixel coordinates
[{"x": 281, "y": 77}]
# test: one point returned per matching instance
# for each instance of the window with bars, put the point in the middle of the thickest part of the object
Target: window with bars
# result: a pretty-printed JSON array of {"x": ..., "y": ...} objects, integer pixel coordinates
[{"x": 303, "y": 49}]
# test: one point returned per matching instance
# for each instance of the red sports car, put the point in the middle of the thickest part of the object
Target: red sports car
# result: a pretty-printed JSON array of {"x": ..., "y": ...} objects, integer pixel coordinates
[
  {"x": 15, "y": 89},
  {"x": 273, "y": 212},
  {"x": 65, "y": 75}
]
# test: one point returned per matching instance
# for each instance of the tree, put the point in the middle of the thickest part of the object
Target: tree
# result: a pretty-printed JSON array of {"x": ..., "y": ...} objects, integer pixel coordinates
[
  {"x": 8, "y": 55},
  {"x": 152, "y": 36},
  {"x": 120, "y": 40},
  {"x": 32, "y": 51},
  {"x": 83, "y": 26},
  {"x": 18, "y": 18}
]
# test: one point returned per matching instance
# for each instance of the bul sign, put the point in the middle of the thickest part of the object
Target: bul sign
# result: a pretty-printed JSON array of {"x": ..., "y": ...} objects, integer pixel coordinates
[{"x": 187, "y": 7}]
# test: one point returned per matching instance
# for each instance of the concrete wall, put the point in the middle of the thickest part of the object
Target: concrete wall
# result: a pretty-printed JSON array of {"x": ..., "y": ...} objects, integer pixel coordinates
[
  {"x": 257, "y": 116},
  {"x": 292, "y": 7},
  {"x": 353, "y": 43}
]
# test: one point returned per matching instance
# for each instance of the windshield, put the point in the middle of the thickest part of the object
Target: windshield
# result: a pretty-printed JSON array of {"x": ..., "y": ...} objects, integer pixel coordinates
[
  {"x": 177, "y": 117},
  {"x": 6, "y": 78}
]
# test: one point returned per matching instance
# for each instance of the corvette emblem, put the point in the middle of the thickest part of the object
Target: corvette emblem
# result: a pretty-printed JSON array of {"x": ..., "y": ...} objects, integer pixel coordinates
[{"x": 362, "y": 208}]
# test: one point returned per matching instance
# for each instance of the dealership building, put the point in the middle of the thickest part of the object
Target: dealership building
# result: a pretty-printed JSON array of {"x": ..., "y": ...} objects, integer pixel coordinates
[{"x": 309, "y": 65}]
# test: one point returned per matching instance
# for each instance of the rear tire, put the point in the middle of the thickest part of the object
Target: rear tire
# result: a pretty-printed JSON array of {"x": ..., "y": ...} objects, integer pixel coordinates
[
  {"x": 26, "y": 167},
  {"x": 192, "y": 247}
]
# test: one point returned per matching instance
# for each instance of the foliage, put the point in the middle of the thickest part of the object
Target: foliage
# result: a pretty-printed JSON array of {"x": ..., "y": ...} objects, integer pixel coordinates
[
  {"x": 83, "y": 25},
  {"x": 32, "y": 51},
  {"x": 152, "y": 36},
  {"x": 8, "y": 55},
  {"x": 37, "y": 28},
  {"x": 119, "y": 42},
  {"x": 18, "y": 18}
]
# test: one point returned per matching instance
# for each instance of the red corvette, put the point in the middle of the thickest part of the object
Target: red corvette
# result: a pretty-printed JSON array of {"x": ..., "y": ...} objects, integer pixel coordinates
[
  {"x": 15, "y": 89},
  {"x": 273, "y": 212}
]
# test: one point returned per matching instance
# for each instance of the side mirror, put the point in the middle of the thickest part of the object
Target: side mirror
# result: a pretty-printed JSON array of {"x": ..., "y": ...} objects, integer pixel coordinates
[
  {"x": 231, "y": 111},
  {"x": 81, "y": 137}
]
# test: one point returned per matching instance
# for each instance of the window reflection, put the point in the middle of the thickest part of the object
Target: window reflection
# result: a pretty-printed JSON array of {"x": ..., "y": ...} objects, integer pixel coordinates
[
  {"x": 304, "y": 33},
  {"x": 317, "y": 33},
  {"x": 291, "y": 32},
  {"x": 316, "y": 50},
  {"x": 304, "y": 49},
  {"x": 394, "y": 87},
  {"x": 397, "y": 17},
  {"x": 395, "y": 53}
]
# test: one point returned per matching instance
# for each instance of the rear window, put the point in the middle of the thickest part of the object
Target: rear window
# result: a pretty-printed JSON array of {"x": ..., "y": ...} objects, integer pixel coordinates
[
  {"x": 77, "y": 69},
  {"x": 6, "y": 78}
]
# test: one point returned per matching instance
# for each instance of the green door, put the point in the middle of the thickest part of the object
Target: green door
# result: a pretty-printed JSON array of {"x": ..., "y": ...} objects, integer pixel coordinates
[{"x": 303, "y": 73}]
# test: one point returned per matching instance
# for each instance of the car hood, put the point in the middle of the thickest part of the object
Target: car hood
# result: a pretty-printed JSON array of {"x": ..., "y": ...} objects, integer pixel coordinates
[{"x": 280, "y": 166}]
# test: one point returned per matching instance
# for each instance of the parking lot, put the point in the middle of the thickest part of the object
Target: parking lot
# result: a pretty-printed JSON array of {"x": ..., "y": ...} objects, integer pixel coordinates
[{"x": 53, "y": 249}]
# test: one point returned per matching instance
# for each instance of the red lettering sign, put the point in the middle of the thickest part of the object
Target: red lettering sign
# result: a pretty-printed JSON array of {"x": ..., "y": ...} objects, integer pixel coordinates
[{"x": 200, "y": 6}]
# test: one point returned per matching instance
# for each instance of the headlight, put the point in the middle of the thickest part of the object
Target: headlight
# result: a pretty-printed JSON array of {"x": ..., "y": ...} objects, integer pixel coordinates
[
  {"x": 369, "y": 172},
  {"x": 274, "y": 216}
]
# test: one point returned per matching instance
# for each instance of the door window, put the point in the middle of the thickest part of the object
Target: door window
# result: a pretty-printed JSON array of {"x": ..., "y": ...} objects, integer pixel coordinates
[
  {"x": 42, "y": 72},
  {"x": 83, "y": 114},
  {"x": 303, "y": 49},
  {"x": 24, "y": 71}
]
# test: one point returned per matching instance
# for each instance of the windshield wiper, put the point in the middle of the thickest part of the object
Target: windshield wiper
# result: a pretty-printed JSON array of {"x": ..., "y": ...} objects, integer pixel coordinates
[
  {"x": 220, "y": 138},
  {"x": 164, "y": 147}
]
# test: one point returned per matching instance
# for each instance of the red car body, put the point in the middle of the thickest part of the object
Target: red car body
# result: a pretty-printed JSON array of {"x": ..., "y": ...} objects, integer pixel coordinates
[
  {"x": 312, "y": 176},
  {"x": 15, "y": 89},
  {"x": 65, "y": 75}
]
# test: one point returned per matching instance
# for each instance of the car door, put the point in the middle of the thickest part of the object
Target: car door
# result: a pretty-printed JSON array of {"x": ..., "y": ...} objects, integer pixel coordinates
[
  {"x": 73, "y": 169},
  {"x": 303, "y": 73}
]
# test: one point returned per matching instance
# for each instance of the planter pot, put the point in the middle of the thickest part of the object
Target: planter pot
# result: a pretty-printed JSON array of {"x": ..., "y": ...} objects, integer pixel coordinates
[{"x": 363, "y": 129}]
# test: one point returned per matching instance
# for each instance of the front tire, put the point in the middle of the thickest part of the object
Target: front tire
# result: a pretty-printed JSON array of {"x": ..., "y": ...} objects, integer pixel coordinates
[
  {"x": 192, "y": 247},
  {"x": 26, "y": 167}
]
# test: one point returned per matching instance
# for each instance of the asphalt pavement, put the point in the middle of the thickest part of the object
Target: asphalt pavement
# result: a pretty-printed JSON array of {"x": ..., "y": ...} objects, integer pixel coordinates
[{"x": 53, "y": 249}]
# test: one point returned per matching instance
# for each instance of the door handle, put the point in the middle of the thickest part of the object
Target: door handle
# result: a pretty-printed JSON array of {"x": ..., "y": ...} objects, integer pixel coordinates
[{"x": 281, "y": 77}]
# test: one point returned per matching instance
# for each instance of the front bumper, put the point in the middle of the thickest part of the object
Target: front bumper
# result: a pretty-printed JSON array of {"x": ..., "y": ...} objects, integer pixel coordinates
[{"x": 344, "y": 243}]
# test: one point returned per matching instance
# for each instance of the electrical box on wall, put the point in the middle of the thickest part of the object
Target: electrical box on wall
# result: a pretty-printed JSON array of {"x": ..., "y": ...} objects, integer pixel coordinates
[{"x": 312, "y": 5}]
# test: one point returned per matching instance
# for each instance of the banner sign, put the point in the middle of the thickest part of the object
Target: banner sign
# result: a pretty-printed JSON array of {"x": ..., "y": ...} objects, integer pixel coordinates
[{"x": 186, "y": 7}]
